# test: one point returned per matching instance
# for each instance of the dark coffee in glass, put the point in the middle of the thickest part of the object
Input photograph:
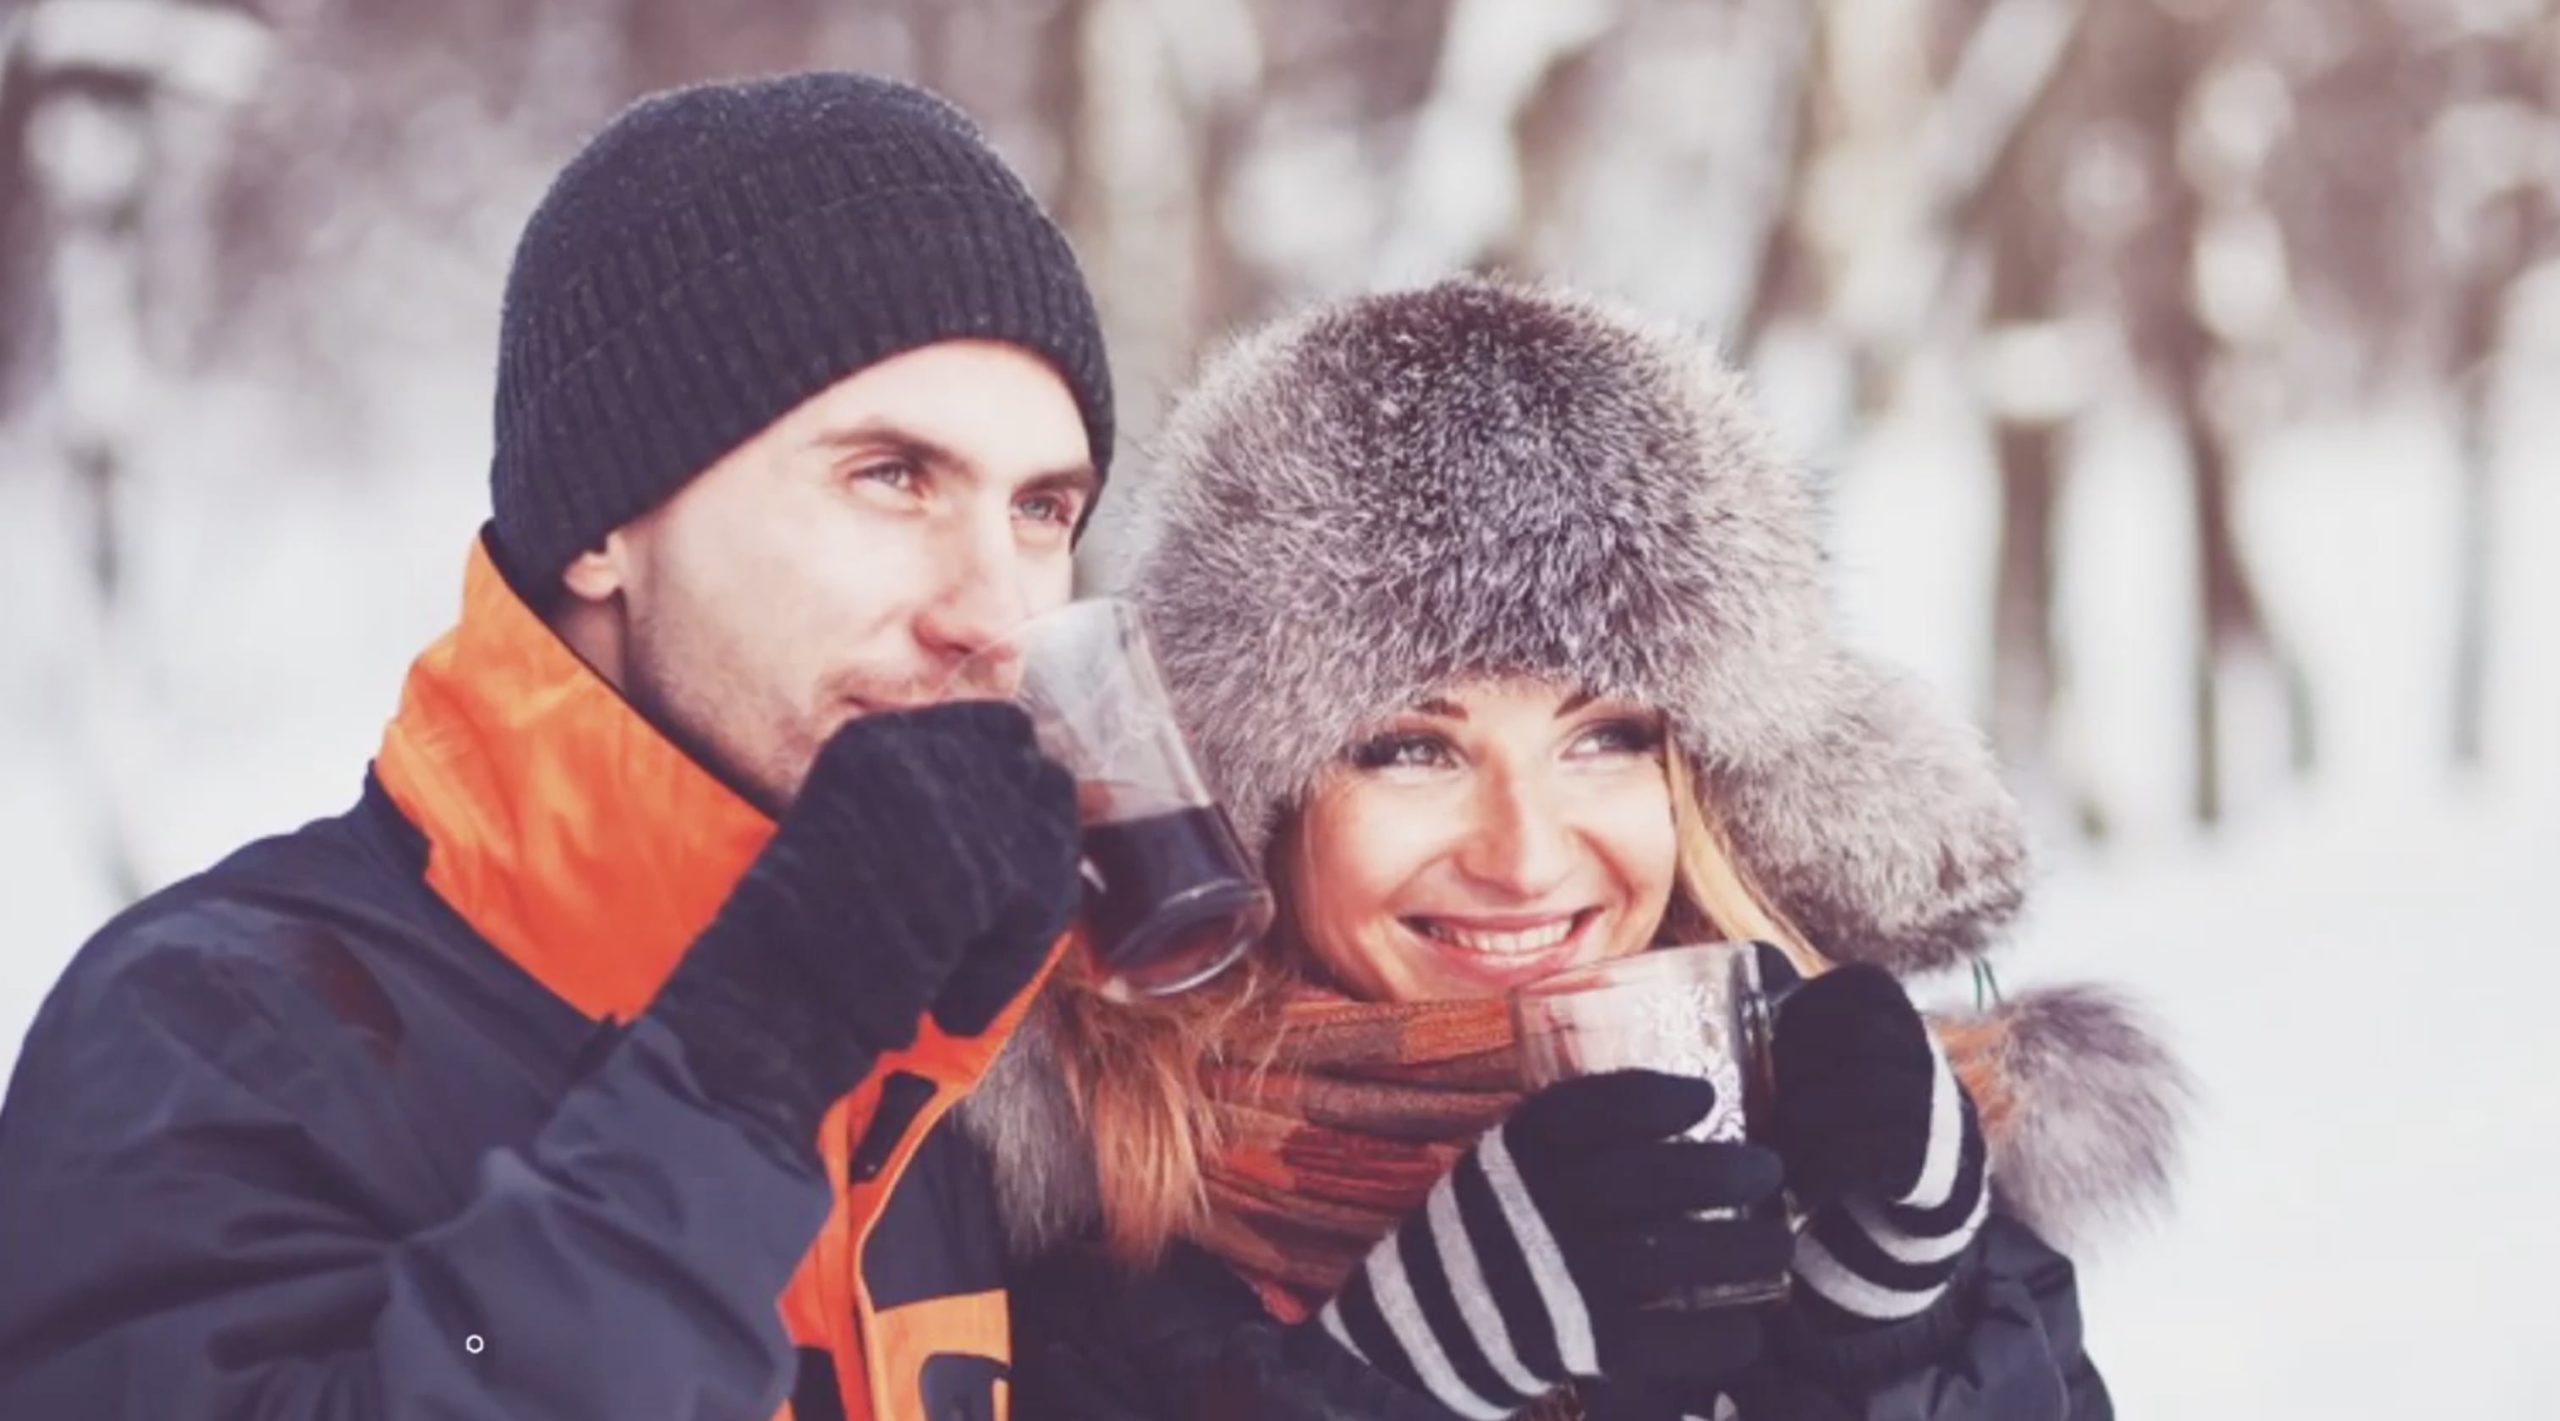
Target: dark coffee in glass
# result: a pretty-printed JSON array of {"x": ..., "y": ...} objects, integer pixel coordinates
[{"x": 1169, "y": 899}]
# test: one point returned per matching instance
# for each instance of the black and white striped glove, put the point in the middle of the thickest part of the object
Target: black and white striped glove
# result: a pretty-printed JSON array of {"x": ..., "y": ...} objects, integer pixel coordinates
[
  {"x": 1881, "y": 1143},
  {"x": 1532, "y": 1263}
]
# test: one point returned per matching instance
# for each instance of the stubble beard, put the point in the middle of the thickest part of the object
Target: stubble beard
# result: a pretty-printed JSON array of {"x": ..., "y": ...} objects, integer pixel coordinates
[{"x": 694, "y": 722}]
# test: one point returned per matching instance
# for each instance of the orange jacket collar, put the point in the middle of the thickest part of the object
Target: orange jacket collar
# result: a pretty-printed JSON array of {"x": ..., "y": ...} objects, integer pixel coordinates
[{"x": 559, "y": 823}]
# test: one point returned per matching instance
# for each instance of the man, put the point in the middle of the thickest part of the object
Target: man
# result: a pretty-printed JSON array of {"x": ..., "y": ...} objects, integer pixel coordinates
[{"x": 595, "y": 1064}]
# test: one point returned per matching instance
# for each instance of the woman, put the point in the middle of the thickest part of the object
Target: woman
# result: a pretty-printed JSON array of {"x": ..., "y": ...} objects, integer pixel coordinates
[{"x": 1500, "y": 631}]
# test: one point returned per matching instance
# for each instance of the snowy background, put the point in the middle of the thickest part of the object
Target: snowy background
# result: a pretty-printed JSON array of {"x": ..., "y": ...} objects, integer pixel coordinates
[{"x": 2179, "y": 371}]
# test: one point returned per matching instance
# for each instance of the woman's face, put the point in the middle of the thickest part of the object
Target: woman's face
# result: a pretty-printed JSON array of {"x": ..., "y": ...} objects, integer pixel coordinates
[{"x": 1492, "y": 834}]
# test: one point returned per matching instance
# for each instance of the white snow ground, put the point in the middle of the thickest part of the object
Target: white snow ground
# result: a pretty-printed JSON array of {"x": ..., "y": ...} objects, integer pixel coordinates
[{"x": 2367, "y": 996}]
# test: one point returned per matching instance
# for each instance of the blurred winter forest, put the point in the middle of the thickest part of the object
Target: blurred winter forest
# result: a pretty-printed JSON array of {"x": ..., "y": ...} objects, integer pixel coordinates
[{"x": 2173, "y": 365}]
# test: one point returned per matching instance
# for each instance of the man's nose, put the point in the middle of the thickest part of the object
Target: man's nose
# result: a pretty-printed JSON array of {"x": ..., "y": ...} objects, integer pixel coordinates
[{"x": 976, "y": 603}]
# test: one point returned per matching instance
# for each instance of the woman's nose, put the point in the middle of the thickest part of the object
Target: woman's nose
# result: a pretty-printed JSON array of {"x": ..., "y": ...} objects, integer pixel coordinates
[{"x": 1520, "y": 842}]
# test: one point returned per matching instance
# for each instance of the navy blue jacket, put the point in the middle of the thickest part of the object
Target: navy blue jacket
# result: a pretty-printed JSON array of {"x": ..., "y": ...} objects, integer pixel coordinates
[{"x": 347, "y": 1127}]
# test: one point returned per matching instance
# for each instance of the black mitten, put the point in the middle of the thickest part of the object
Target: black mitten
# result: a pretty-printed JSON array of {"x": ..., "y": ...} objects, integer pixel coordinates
[
  {"x": 928, "y": 864},
  {"x": 1881, "y": 1141},
  {"x": 1535, "y": 1261}
]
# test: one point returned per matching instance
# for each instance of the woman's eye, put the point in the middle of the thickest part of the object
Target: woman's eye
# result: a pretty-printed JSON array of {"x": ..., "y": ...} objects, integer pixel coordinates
[
  {"x": 1400, "y": 750},
  {"x": 1623, "y": 737}
]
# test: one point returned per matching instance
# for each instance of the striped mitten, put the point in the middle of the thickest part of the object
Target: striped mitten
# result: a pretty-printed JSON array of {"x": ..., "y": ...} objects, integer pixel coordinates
[
  {"x": 1881, "y": 1142},
  {"x": 1531, "y": 1263}
]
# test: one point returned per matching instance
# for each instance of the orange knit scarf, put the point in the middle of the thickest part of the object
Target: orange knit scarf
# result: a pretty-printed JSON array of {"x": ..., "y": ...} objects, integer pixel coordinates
[{"x": 1361, "y": 1110}]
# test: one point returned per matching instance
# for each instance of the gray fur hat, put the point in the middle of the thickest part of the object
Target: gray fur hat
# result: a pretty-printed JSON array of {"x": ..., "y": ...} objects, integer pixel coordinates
[{"x": 1371, "y": 500}]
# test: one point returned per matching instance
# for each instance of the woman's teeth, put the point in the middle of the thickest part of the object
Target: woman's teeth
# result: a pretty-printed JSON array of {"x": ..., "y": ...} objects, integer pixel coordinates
[{"x": 1501, "y": 944}]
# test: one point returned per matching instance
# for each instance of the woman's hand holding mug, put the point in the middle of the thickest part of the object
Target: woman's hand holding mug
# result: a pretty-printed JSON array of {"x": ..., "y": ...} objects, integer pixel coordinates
[
  {"x": 1880, "y": 1141},
  {"x": 1544, "y": 1257}
]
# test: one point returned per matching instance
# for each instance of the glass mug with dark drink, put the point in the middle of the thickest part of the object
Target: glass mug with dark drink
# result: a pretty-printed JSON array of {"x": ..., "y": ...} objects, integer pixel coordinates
[
  {"x": 1169, "y": 900},
  {"x": 1687, "y": 1011}
]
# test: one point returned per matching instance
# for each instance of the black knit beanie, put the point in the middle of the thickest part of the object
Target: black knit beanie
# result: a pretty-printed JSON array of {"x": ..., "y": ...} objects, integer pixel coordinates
[{"x": 721, "y": 253}]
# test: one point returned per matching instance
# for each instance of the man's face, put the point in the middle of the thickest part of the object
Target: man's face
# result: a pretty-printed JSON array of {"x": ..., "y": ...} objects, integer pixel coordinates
[{"x": 845, "y": 560}]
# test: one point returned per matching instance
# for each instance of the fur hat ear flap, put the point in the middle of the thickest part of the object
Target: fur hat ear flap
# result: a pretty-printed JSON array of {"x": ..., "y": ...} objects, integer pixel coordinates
[
  {"x": 1882, "y": 829},
  {"x": 1026, "y": 1118},
  {"x": 2084, "y": 1106}
]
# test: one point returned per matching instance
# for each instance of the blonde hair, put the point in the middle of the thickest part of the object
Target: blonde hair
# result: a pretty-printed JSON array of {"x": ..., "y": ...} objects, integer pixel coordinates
[{"x": 1135, "y": 1069}]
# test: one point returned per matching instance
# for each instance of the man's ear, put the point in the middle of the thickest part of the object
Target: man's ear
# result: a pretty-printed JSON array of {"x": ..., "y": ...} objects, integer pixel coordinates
[
  {"x": 588, "y": 614},
  {"x": 597, "y": 575}
]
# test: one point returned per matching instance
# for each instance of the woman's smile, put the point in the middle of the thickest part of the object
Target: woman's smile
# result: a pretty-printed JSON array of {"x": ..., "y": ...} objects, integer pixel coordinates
[{"x": 1502, "y": 951}]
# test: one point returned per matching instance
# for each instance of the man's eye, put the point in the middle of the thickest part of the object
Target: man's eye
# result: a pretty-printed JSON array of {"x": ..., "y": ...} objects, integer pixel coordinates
[
  {"x": 894, "y": 473},
  {"x": 1402, "y": 749},
  {"x": 1050, "y": 508}
]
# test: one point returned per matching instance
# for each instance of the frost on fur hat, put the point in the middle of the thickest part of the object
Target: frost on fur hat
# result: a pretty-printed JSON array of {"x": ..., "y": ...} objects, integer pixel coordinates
[{"x": 1375, "y": 498}]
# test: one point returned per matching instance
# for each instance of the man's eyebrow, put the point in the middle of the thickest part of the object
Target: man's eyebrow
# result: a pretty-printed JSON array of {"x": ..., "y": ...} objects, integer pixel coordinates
[
  {"x": 1082, "y": 480},
  {"x": 890, "y": 434}
]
